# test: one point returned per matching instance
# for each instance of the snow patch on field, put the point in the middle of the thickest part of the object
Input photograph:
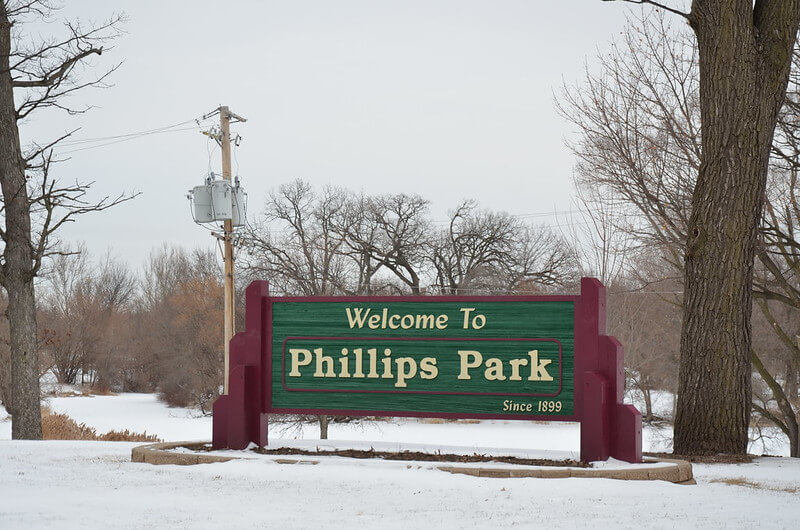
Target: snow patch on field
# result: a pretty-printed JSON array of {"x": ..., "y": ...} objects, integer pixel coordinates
[
  {"x": 135, "y": 412},
  {"x": 89, "y": 484}
]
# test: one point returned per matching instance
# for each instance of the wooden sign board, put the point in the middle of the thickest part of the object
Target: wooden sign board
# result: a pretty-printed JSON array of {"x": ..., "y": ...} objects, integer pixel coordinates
[{"x": 533, "y": 358}]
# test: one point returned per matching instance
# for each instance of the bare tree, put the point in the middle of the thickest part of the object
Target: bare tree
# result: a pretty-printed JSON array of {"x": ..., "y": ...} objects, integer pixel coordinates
[
  {"x": 474, "y": 245},
  {"x": 602, "y": 236},
  {"x": 82, "y": 302},
  {"x": 403, "y": 233},
  {"x": 61, "y": 327},
  {"x": 37, "y": 73},
  {"x": 169, "y": 265},
  {"x": 744, "y": 55},
  {"x": 777, "y": 281},
  {"x": 646, "y": 319},
  {"x": 178, "y": 329},
  {"x": 542, "y": 259},
  {"x": 644, "y": 162},
  {"x": 297, "y": 244},
  {"x": 360, "y": 236},
  {"x": 300, "y": 245},
  {"x": 639, "y": 148},
  {"x": 744, "y": 52},
  {"x": 482, "y": 251}
]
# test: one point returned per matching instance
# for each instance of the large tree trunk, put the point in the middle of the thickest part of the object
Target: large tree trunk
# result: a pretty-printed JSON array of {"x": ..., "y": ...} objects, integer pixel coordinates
[
  {"x": 26, "y": 420},
  {"x": 744, "y": 55},
  {"x": 17, "y": 274}
]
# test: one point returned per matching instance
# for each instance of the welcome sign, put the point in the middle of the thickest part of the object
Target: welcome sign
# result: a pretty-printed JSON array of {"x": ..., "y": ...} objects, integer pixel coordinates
[
  {"x": 480, "y": 357},
  {"x": 527, "y": 358}
]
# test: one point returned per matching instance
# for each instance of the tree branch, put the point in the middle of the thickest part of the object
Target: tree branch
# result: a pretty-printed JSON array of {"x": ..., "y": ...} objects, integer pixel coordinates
[
  {"x": 659, "y": 5},
  {"x": 780, "y": 397},
  {"x": 55, "y": 76}
]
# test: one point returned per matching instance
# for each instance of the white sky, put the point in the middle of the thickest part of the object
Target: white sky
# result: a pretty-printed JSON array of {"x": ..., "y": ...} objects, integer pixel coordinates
[{"x": 451, "y": 99}]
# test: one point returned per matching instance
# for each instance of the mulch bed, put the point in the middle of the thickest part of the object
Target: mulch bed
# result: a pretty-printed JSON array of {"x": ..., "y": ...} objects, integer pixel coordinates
[
  {"x": 475, "y": 457},
  {"x": 708, "y": 459},
  {"x": 423, "y": 457}
]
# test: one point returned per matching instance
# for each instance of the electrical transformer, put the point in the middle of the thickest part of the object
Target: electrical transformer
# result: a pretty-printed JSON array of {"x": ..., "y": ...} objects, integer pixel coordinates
[
  {"x": 222, "y": 200},
  {"x": 239, "y": 206},
  {"x": 202, "y": 209},
  {"x": 217, "y": 201}
]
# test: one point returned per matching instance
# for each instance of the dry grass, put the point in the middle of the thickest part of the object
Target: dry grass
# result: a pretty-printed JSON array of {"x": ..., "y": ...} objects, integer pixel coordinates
[
  {"x": 437, "y": 421},
  {"x": 70, "y": 393},
  {"x": 97, "y": 391},
  {"x": 61, "y": 427},
  {"x": 707, "y": 459},
  {"x": 743, "y": 482}
]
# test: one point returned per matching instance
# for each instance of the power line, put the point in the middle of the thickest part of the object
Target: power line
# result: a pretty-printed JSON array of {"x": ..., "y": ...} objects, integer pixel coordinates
[
  {"x": 125, "y": 139},
  {"x": 104, "y": 141},
  {"x": 128, "y": 135},
  {"x": 546, "y": 214}
]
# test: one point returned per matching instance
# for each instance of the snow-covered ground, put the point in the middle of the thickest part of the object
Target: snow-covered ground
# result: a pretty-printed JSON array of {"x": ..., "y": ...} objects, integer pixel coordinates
[{"x": 68, "y": 484}]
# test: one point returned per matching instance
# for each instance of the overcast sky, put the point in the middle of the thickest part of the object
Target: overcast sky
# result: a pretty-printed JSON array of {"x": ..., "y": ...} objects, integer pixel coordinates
[{"x": 451, "y": 99}]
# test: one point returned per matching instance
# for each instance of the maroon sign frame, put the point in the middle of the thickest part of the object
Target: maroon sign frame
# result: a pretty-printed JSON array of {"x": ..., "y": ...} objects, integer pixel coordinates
[{"x": 609, "y": 428}]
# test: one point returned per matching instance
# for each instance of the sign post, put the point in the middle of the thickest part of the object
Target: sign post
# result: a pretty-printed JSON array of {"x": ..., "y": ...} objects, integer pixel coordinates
[{"x": 528, "y": 358}]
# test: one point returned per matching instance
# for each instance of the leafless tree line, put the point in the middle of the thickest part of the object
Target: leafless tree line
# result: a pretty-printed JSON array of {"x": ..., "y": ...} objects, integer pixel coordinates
[
  {"x": 104, "y": 326},
  {"x": 333, "y": 241}
]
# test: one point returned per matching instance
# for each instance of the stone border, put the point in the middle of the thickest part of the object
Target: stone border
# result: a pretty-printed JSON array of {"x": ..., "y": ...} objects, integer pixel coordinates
[
  {"x": 160, "y": 454},
  {"x": 676, "y": 471}
]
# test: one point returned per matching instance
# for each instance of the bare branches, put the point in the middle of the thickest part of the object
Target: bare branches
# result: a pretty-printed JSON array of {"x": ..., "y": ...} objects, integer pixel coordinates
[
  {"x": 659, "y": 5},
  {"x": 56, "y": 76},
  {"x": 403, "y": 231},
  {"x": 305, "y": 254},
  {"x": 56, "y": 204},
  {"x": 639, "y": 132},
  {"x": 39, "y": 151},
  {"x": 483, "y": 252},
  {"x": 46, "y": 71},
  {"x": 43, "y": 72},
  {"x": 26, "y": 7},
  {"x": 334, "y": 242},
  {"x": 786, "y": 420}
]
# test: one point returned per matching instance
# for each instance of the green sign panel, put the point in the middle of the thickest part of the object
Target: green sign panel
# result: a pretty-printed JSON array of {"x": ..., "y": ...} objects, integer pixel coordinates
[{"x": 512, "y": 358}]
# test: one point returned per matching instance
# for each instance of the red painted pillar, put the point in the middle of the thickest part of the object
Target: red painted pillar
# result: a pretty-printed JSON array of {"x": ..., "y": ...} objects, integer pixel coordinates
[
  {"x": 238, "y": 418},
  {"x": 609, "y": 428}
]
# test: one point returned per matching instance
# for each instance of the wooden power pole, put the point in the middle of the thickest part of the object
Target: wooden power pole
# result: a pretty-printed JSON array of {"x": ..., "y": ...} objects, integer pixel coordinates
[{"x": 225, "y": 116}]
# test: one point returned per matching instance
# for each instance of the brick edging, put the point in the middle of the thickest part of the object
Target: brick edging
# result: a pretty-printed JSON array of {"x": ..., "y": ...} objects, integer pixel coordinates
[
  {"x": 677, "y": 471},
  {"x": 159, "y": 454}
]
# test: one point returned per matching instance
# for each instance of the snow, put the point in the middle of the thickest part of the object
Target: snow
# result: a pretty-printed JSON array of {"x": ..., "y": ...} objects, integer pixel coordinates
[
  {"x": 137, "y": 413},
  {"x": 71, "y": 484}
]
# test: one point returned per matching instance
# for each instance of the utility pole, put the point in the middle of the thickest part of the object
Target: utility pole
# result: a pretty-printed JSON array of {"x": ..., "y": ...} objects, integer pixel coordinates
[{"x": 225, "y": 116}]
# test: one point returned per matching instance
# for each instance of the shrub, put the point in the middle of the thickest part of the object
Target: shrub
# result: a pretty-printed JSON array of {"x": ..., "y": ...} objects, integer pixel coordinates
[
  {"x": 57, "y": 426},
  {"x": 61, "y": 427}
]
